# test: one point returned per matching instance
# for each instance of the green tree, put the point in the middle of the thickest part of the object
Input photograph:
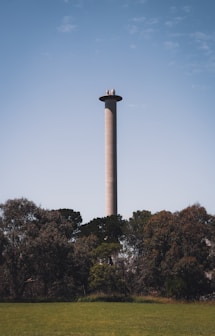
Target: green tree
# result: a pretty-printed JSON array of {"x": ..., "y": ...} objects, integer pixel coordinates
[
  {"x": 84, "y": 248},
  {"x": 50, "y": 255},
  {"x": 106, "y": 273},
  {"x": 107, "y": 279},
  {"x": 107, "y": 252},
  {"x": 70, "y": 222},
  {"x": 17, "y": 217},
  {"x": 158, "y": 238},
  {"x": 176, "y": 244},
  {"x": 38, "y": 257},
  {"x": 133, "y": 250},
  {"x": 108, "y": 229},
  {"x": 188, "y": 280},
  {"x": 193, "y": 260},
  {"x": 133, "y": 230}
]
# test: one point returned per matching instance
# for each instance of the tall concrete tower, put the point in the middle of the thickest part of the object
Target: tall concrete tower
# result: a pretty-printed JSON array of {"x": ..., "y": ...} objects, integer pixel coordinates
[{"x": 110, "y": 100}]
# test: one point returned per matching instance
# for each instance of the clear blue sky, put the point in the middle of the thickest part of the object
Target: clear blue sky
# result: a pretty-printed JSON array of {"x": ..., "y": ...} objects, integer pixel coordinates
[{"x": 58, "y": 56}]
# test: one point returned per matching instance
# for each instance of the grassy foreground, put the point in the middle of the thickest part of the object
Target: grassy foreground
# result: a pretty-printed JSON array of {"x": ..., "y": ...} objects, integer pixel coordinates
[{"x": 102, "y": 318}]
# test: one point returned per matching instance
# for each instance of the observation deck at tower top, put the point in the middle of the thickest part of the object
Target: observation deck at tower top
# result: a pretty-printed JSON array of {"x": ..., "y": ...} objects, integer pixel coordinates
[{"x": 110, "y": 95}]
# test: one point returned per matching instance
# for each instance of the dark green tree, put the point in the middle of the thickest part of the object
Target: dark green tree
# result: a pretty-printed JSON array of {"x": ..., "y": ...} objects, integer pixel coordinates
[
  {"x": 133, "y": 230},
  {"x": 84, "y": 248},
  {"x": 177, "y": 256},
  {"x": 70, "y": 222},
  {"x": 51, "y": 263},
  {"x": 107, "y": 279},
  {"x": 38, "y": 256},
  {"x": 106, "y": 274},
  {"x": 17, "y": 216},
  {"x": 106, "y": 229},
  {"x": 132, "y": 257}
]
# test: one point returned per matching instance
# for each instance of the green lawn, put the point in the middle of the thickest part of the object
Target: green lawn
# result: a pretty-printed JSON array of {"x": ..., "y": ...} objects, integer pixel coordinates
[{"x": 98, "y": 318}]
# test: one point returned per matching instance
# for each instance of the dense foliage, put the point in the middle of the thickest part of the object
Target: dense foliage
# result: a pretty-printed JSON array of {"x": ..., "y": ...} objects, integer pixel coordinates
[{"x": 50, "y": 254}]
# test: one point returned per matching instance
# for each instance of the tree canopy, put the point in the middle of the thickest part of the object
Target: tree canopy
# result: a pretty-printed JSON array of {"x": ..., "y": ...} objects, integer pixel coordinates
[{"x": 51, "y": 254}]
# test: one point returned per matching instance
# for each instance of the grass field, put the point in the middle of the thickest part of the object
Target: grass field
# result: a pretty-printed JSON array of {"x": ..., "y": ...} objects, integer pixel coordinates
[{"x": 112, "y": 319}]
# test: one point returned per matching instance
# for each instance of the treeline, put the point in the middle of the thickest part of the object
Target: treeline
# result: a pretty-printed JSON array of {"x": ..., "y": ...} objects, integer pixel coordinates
[{"x": 50, "y": 254}]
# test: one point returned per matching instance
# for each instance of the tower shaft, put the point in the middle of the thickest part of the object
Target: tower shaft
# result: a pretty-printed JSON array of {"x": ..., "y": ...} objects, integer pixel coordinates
[
  {"x": 110, "y": 100},
  {"x": 110, "y": 157}
]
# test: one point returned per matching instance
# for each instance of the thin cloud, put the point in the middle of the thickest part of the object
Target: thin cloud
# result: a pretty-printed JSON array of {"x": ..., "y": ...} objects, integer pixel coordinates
[
  {"x": 200, "y": 36},
  {"x": 67, "y": 26},
  {"x": 199, "y": 66},
  {"x": 171, "y": 45},
  {"x": 138, "y": 19},
  {"x": 173, "y": 9},
  {"x": 205, "y": 46},
  {"x": 132, "y": 29},
  {"x": 142, "y": 2},
  {"x": 203, "y": 41},
  {"x": 129, "y": 3},
  {"x": 152, "y": 21},
  {"x": 79, "y": 4},
  {"x": 178, "y": 35},
  {"x": 142, "y": 25},
  {"x": 174, "y": 21},
  {"x": 143, "y": 19},
  {"x": 186, "y": 9},
  {"x": 210, "y": 67},
  {"x": 133, "y": 46},
  {"x": 146, "y": 33}
]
